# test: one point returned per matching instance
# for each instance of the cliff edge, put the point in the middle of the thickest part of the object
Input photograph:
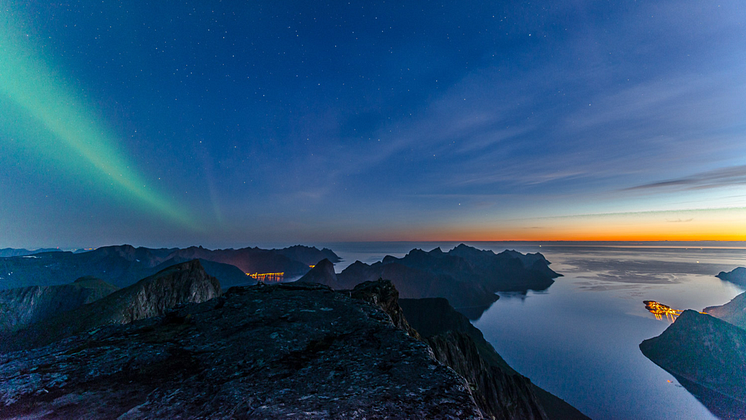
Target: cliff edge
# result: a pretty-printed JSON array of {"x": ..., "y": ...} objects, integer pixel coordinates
[{"x": 262, "y": 352}]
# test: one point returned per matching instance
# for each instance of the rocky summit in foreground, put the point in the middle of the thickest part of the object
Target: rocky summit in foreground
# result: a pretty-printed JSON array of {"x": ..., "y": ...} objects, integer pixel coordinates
[{"x": 284, "y": 351}]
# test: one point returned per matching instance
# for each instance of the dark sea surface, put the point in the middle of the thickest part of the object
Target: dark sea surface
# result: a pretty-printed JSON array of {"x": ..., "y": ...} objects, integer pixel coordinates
[{"x": 579, "y": 338}]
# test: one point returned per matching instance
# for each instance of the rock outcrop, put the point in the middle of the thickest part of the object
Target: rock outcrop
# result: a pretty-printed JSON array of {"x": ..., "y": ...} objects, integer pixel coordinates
[
  {"x": 733, "y": 312},
  {"x": 499, "y": 390},
  {"x": 151, "y": 296},
  {"x": 290, "y": 350},
  {"x": 737, "y": 276},
  {"x": 383, "y": 294},
  {"x": 322, "y": 273},
  {"x": 24, "y": 306},
  {"x": 705, "y": 354}
]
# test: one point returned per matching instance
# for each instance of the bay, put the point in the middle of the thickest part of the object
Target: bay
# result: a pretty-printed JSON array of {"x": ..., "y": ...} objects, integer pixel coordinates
[{"x": 579, "y": 338}]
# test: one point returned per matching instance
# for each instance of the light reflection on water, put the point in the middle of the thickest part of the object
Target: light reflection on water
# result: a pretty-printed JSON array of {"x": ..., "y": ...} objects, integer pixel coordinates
[{"x": 579, "y": 339}]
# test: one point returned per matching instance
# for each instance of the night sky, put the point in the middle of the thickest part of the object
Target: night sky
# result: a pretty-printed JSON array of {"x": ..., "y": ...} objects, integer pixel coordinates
[{"x": 235, "y": 123}]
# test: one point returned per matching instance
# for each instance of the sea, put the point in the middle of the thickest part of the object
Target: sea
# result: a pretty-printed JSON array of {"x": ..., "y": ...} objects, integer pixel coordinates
[{"x": 579, "y": 338}]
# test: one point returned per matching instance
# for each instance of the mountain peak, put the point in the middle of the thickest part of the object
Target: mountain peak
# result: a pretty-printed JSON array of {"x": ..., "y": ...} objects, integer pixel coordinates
[{"x": 322, "y": 273}]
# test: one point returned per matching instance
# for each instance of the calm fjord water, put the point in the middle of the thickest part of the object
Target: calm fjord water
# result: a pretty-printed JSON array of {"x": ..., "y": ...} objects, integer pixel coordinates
[{"x": 579, "y": 338}]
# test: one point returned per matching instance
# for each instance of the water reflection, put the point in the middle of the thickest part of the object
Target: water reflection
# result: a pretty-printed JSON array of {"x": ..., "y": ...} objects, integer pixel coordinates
[{"x": 718, "y": 404}]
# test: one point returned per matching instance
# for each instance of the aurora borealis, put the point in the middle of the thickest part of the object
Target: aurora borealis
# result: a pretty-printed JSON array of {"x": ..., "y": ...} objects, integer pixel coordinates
[
  {"x": 50, "y": 118},
  {"x": 232, "y": 123}
]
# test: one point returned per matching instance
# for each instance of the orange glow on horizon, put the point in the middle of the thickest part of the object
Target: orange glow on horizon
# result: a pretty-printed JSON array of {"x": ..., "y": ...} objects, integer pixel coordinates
[
  {"x": 551, "y": 235},
  {"x": 694, "y": 225}
]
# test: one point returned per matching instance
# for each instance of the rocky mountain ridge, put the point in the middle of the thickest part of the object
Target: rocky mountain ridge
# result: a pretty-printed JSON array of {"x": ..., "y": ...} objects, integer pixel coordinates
[
  {"x": 466, "y": 276},
  {"x": 20, "y": 252},
  {"x": 123, "y": 265},
  {"x": 27, "y": 305},
  {"x": 152, "y": 296}
]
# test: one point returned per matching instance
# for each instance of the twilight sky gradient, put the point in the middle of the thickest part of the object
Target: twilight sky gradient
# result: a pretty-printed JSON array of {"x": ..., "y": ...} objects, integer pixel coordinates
[{"x": 231, "y": 123}]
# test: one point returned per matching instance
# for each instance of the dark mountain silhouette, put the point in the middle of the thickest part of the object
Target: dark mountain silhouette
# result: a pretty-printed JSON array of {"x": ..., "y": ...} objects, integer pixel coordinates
[
  {"x": 27, "y": 305},
  {"x": 123, "y": 265},
  {"x": 308, "y": 255},
  {"x": 20, "y": 252},
  {"x": 737, "y": 276},
  {"x": 322, "y": 273},
  {"x": 707, "y": 356},
  {"x": 179, "y": 284},
  {"x": 466, "y": 276},
  {"x": 248, "y": 260},
  {"x": 228, "y": 275},
  {"x": 733, "y": 312}
]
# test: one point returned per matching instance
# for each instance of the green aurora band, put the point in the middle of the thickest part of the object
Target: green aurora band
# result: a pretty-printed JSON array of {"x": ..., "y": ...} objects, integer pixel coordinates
[{"x": 28, "y": 87}]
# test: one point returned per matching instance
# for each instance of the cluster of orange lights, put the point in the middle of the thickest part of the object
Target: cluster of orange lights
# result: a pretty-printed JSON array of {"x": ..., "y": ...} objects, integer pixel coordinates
[
  {"x": 268, "y": 277},
  {"x": 660, "y": 310}
]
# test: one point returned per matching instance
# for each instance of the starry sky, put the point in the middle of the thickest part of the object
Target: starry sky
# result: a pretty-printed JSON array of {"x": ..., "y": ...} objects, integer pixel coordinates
[{"x": 230, "y": 123}]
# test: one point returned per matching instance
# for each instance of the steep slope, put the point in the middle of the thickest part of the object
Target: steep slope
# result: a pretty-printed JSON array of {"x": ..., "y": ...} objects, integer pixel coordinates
[
  {"x": 499, "y": 390},
  {"x": 384, "y": 295},
  {"x": 733, "y": 312},
  {"x": 434, "y": 316},
  {"x": 705, "y": 351},
  {"x": 291, "y": 350},
  {"x": 151, "y": 296},
  {"x": 27, "y": 305}
]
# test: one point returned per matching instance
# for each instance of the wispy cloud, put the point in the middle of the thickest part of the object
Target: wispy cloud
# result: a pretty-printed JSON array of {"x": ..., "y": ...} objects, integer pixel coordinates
[
  {"x": 643, "y": 213},
  {"x": 723, "y": 177}
]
